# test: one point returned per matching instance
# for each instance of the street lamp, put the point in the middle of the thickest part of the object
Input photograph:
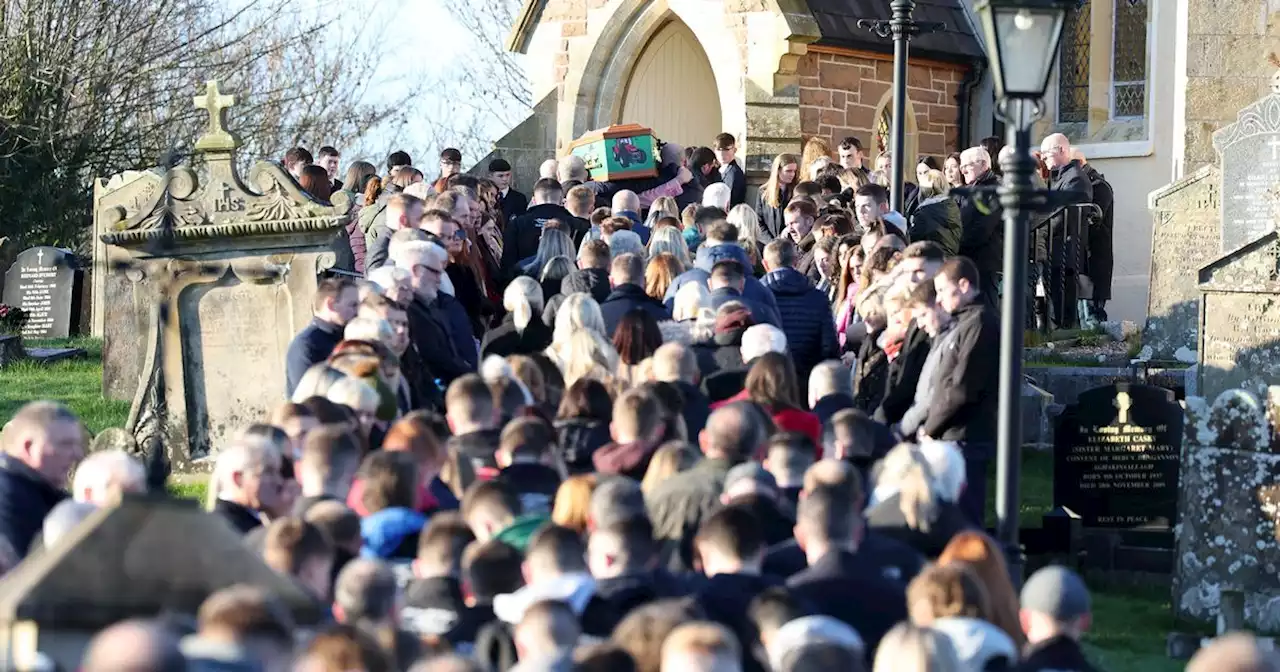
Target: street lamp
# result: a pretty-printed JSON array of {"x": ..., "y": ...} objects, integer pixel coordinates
[
  {"x": 901, "y": 27},
  {"x": 1022, "y": 39}
]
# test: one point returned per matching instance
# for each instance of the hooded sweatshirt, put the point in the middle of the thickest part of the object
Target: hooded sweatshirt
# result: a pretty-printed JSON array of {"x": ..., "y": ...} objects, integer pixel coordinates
[
  {"x": 391, "y": 533},
  {"x": 574, "y": 589}
]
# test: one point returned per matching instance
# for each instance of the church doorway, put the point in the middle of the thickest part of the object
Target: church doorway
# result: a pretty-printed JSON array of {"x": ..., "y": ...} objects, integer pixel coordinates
[{"x": 673, "y": 90}]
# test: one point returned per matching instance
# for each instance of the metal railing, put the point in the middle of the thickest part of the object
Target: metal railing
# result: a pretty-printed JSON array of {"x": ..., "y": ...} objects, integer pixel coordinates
[{"x": 1067, "y": 267}]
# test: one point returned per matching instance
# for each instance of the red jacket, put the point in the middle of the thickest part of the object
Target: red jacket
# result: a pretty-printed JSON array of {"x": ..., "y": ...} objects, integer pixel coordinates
[{"x": 788, "y": 420}]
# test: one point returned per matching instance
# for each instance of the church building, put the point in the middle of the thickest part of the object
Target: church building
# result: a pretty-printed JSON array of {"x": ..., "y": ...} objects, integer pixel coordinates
[{"x": 1140, "y": 85}]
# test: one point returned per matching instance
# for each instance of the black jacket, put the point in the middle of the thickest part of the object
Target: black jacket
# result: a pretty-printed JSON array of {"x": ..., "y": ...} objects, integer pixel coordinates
[
  {"x": 626, "y": 298},
  {"x": 1072, "y": 177},
  {"x": 983, "y": 237},
  {"x": 467, "y": 290},
  {"x": 870, "y": 374},
  {"x": 830, "y": 405},
  {"x": 838, "y": 585},
  {"x": 904, "y": 375},
  {"x": 1059, "y": 654},
  {"x": 504, "y": 340},
  {"x": 479, "y": 447},
  {"x": 804, "y": 258},
  {"x": 806, "y": 319},
  {"x": 737, "y": 181},
  {"x": 535, "y": 484},
  {"x": 877, "y": 554},
  {"x": 886, "y": 518},
  {"x": 579, "y": 439},
  {"x": 514, "y": 204},
  {"x": 593, "y": 281},
  {"x": 938, "y": 219},
  {"x": 726, "y": 599},
  {"x": 723, "y": 352},
  {"x": 964, "y": 401},
  {"x": 242, "y": 518},
  {"x": 625, "y": 593},
  {"x": 25, "y": 499},
  {"x": 520, "y": 240},
  {"x": 777, "y": 522},
  {"x": 310, "y": 347},
  {"x": 1101, "y": 235},
  {"x": 772, "y": 221},
  {"x": 429, "y": 330},
  {"x": 695, "y": 409},
  {"x": 435, "y": 607}
]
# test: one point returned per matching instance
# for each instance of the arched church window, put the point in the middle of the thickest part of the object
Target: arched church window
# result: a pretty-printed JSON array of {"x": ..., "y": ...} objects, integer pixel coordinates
[
  {"x": 1129, "y": 60},
  {"x": 884, "y": 130},
  {"x": 1073, "y": 65}
]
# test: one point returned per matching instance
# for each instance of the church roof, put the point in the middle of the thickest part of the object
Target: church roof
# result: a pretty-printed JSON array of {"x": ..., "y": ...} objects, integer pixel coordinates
[{"x": 956, "y": 42}]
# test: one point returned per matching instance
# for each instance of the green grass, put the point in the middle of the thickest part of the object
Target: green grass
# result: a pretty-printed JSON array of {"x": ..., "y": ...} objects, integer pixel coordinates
[
  {"x": 1130, "y": 623},
  {"x": 76, "y": 383}
]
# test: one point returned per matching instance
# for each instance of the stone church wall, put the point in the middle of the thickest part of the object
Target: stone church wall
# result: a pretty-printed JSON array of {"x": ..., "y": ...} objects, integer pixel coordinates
[{"x": 842, "y": 94}]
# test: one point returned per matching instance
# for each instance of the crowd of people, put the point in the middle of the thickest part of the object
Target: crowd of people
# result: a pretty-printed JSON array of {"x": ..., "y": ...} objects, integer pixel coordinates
[{"x": 629, "y": 426}]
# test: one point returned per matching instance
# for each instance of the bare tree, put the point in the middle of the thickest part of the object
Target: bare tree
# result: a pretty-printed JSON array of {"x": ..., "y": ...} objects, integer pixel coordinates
[{"x": 89, "y": 88}]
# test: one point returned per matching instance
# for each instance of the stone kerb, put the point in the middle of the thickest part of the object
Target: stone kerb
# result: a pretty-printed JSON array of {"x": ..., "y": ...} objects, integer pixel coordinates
[{"x": 1228, "y": 510}]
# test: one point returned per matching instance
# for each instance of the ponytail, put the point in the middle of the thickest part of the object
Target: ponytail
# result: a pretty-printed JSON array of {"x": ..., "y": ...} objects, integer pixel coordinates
[
  {"x": 372, "y": 190},
  {"x": 523, "y": 313},
  {"x": 916, "y": 498}
]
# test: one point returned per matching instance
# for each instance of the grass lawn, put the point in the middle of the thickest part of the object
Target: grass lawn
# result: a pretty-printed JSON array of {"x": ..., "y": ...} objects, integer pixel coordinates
[{"x": 1130, "y": 622}]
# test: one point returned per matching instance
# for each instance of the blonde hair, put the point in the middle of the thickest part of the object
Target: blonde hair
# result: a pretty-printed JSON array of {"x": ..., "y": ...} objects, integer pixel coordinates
[
  {"x": 672, "y": 458},
  {"x": 369, "y": 329},
  {"x": 934, "y": 184},
  {"x": 523, "y": 299},
  {"x": 664, "y": 207},
  {"x": 689, "y": 300},
  {"x": 578, "y": 312},
  {"x": 747, "y": 220},
  {"x": 814, "y": 148},
  {"x": 710, "y": 642},
  {"x": 669, "y": 240},
  {"x": 852, "y": 179},
  {"x": 660, "y": 272},
  {"x": 586, "y": 354},
  {"x": 772, "y": 189},
  {"x": 907, "y": 648},
  {"x": 316, "y": 382},
  {"x": 573, "y": 502},
  {"x": 906, "y": 469},
  {"x": 355, "y": 394}
]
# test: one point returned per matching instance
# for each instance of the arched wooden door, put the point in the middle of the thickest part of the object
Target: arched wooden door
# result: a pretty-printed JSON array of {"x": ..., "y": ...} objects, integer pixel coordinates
[{"x": 673, "y": 90}]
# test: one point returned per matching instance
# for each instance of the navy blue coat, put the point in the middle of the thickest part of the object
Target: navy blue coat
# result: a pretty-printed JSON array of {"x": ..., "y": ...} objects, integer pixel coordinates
[
  {"x": 806, "y": 319},
  {"x": 626, "y": 298},
  {"x": 459, "y": 325},
  {"x": 310, "y": 347},
  {"x": 25, "y": 500},
  {"x": 761, "y": 312},
  {"x": 705, "y": 260},
  {"x": 838, "y": 585}
]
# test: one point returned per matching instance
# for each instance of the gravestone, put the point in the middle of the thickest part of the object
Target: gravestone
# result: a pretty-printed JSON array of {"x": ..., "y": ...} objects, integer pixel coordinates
[
  {"x": 1228, "y": 510},
  {"x": 45, "y": 282},
  {"x": 210, "y": 279},
  {"x": 1184, "y": 237},
  {"x": 120, "y": 198},
  {"x": 1240, "y": 319},
  {"x": 8, "y": 250},
  {"x": 1250, "y": 157},
  {"x": 145, "y": 557},
  {"x": 1116, "y": 455}
]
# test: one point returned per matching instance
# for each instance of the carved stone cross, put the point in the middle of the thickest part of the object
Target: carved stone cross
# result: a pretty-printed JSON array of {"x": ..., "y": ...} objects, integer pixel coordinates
[
  {"x": 216, "y": 104},
  {"x": 40, "y": 257},
  {"x": 1123, "y": 402},
  {"x": 1275, "y": 148}
]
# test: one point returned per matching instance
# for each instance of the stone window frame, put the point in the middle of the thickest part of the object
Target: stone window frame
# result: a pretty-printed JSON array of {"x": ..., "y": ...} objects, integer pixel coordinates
[
  {"x": 1104, "y": 135},
  {"x": 911, "y": 144}
]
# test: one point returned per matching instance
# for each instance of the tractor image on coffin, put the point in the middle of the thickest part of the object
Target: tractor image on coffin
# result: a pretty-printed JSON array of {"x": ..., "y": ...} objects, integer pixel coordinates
[{"x": 620, "y": 152}]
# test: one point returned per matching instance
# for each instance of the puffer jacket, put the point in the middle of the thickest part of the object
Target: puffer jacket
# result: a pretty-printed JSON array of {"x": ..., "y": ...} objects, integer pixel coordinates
[
  {"x": 938, "y": 219},
  {"x": 806, "y": 319}
]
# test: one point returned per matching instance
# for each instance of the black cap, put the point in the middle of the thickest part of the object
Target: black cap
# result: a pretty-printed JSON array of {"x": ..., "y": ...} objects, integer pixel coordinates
[
  {"x": 499, "y": 166},
  {"x": 451, "y": 154}
]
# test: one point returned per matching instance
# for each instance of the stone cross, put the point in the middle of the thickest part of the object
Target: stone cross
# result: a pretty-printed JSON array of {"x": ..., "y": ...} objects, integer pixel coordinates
[
  {"x": 216, "y": 103},
  {"x": 40, "y": 257},
  {"x": 1123, "y": 402},
  {"x": 1275, "y": 148}
]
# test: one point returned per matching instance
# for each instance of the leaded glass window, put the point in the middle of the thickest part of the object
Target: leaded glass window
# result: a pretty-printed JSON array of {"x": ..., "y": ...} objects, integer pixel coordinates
[
  {"x": 1129, "y": 60},
  {"x": 884, "y": 130},
  {"x": 1073, "y": 65}
]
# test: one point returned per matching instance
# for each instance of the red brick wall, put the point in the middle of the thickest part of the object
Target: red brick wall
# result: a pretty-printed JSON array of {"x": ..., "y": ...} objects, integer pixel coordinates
[{"x": 839, "y": 95}]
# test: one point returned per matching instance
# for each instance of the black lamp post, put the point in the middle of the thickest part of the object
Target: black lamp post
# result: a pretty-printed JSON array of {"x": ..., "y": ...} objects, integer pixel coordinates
[
  {"x": 901, "y": 28},
  {"x": 1022, "y": 43}
]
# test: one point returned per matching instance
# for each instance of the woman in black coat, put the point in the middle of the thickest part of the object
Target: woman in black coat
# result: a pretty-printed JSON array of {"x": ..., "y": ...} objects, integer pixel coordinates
[
  {"x": 914, "y": 500},
  {"x": 583, "y": 424},
  {"x": 774, "y": 196},
  {"x": 522, "y": 331},
  {"x": 937, "y": 218}
]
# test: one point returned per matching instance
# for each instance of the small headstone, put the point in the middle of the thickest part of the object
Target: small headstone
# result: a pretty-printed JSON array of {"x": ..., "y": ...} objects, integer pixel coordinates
[
  {"x": 1116, "y": 455},
  {"x": 43, "y": 282},
  {"x": 7, "y": 252},
  {"x": 1239, "y": 422},
  {"x": 1240, "y": 319},
  {"x": 1250, "y": 150}
]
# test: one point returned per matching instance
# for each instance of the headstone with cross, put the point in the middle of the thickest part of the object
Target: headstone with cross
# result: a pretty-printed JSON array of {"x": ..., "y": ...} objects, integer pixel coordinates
[
  {"x": 1116, "y": 456},
  {"x": 1240, "y": 319},
  {"x": 217, "y": 275}
]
